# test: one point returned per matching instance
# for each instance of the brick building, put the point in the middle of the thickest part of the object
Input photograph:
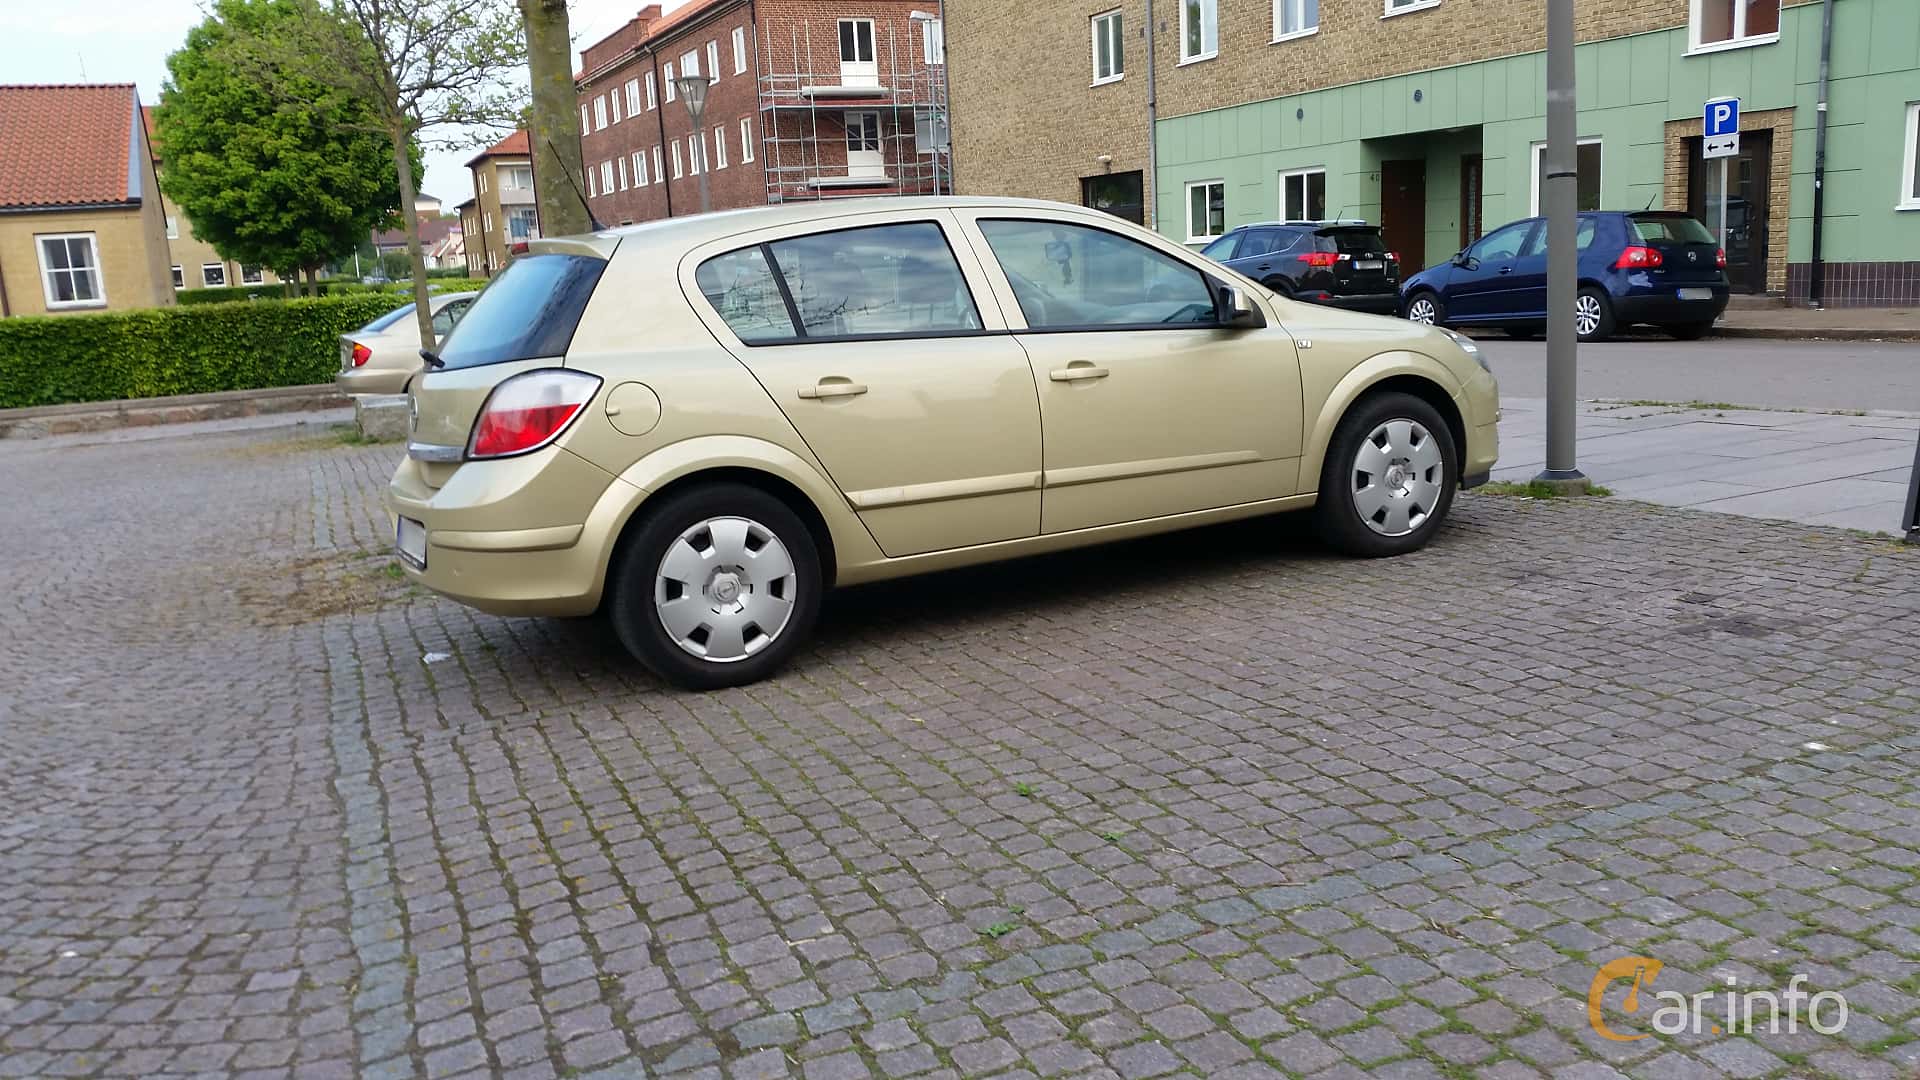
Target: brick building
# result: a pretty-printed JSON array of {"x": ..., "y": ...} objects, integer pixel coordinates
[
  {"x": 1428, "y": 116},
  {"x": 806, "y": 99}
]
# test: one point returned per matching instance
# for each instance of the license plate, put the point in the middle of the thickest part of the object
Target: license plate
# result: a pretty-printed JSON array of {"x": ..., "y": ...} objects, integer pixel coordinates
[
  {"x": 410, "y": 540},
  {"x": 1696, "y": 294},
  {"x": 1369, "y": 264}
]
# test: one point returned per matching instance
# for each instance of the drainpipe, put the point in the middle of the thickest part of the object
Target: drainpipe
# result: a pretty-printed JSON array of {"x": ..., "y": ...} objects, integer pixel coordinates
[
  {"x": 660, "y": 118},
  {"x": 1153, "y": 132},
  {"x": 4, "y": 309},
  {"x": 1817, "y": 278}
]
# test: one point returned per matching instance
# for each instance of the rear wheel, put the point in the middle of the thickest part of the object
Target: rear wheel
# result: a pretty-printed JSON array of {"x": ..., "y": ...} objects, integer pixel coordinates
[
  {"x": 1389, "y": 477},
  {"x": 718, "y": 587},
  {"x": 1593, "y": 314},
  {"x": 1689, "y": 331},
  {"x": 1427, "y": 309}
]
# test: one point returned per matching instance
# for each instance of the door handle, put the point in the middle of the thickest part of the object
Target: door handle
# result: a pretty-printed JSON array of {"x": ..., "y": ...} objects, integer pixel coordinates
[
  {"x": 1506, "y": 269},
  {"x": 1077, "y": 371},
  {"x": 1264, "y": 267},
  {"x": 832, "y": 388}
]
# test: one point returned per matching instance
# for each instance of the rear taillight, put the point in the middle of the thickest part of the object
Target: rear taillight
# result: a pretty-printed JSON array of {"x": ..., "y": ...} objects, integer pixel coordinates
[
  {"x": 529, "y": 411},
  {"x": 1638, "y": 258},
  {"x": 1319, "y": 258},
  {"x": 361, "y": 354},
  {"x": 1720, "y": 258},
  {"x": 1393, "y": 256}
]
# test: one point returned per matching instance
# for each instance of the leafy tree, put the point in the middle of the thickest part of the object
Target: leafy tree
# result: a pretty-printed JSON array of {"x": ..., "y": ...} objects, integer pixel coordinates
[{"x": 290, "y": 178}]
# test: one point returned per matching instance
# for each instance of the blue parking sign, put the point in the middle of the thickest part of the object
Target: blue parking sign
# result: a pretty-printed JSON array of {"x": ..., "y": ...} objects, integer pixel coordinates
[{"x": 1721, "y": 117}]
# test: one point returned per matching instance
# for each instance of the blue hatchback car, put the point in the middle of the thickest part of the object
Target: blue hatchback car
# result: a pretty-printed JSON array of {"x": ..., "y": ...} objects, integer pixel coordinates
[{"x": 1657, "y": 267}]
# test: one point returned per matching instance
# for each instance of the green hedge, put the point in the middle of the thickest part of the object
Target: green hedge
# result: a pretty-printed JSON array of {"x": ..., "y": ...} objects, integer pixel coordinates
[
  {"x": 230, "y": 293},
  {"x": 154, "y": 352}
]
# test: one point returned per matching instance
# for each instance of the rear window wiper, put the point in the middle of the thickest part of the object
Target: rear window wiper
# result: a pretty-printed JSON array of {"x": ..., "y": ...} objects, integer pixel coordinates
[{"x": 433, "y": 359}]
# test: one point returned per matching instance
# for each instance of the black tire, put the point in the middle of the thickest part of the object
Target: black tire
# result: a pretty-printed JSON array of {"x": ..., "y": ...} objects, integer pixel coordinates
[
  {"x": 1281, "y": 287},
  {"x": 1337, "y": 516},
  {"x": 631, "y": 585},
  {"x": 1439, "y": 307},
  {"x": 1605, "y": 326},
  {"x": 1689, "y": 331}
]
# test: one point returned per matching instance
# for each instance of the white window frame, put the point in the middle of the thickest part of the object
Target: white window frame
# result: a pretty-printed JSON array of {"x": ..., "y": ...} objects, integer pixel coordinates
[
  {"x": 713, "y": 62},
  {"x": 696, "y": 152},
  {"x": 1299, "y": 8},
  {"x": 1406, "y": 7},
  {"x": 666, "y": 79},
  {"x": 659, "y": 174},
  {"x": 1910, "y": 169},
  {"x": 1739, "y": 40},
  {"x": 1101, "y": 25},
  {"x": 259, "y": 275},
  {"x": 739, "y": 50},
  {"x": 606, "y": 178},
  {"x": 652, "y": 102},
  {"x": 600, "y": 113},
  {"x": 719, "y": 147},
  {"x": 1290, "y": 174},
  {"x": 179, "y": 276},
  {"x": 486, "y": 216},
  {"x": 173, "y": 227},
  {"x": 690, "y": 63},
  {"x": 1540, "y": 148},
  {"x": 633, "y": 98},
  {"x": 873, "y": 41},
  {"x": 1186, "y": 198},
  {"x": 592, "y": 191},
  {"x": 489, "y": 168},
  {"x": 621, "y": 171},
  {"x": 613, "y": 104},
  {"x": 204, "y": 267},
  {"x": 676, "y": 159},
  {"x": 639, "y": 168},
  {"x": 933, "y": 42},
  {"x": 1206, "y": 7},
  {"x": 586, "y": 118},
  {"x": 746, "y": 139}
]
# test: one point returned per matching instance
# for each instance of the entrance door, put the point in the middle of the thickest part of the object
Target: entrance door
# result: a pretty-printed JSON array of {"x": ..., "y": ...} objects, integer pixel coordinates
[
  {"x": 863, "y": 145},
  {"x": 857, "y": 67},
  {"x": 1750, "y": 176},
  {"x": 1471, "y": 172},
  {"x": 1403, "y": 209}
]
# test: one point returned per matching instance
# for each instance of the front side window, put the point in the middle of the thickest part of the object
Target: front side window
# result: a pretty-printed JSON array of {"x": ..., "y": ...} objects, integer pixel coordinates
[
  {"x": 1733, "y": 22},
  {"x": 1069, "y": 276},
  {"x": 1206, "y": 210},
  {"x": 213, "y": 275},
  {"x": 1303, "y": 195},
  {"x": 1199, "y": 29},
  {"x": 1587, "y": 163},
  {"x": 1295, "y": 18},
  {"x": 1910, "y": 180},
  {"x": 1502, "y": 243},
  {"x": 1109, "y": 59},
  {"x": 883, "y": 279}
]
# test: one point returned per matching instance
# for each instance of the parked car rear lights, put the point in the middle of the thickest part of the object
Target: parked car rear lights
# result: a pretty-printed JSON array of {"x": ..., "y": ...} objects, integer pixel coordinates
[
  {"x": 1639, "y": 257},
  {"x": 1720, "y": 258},
  {"x": 362, "y": 354},
  {"x": 1320, "y": 258},
  {"x": 529, "y": 411}
]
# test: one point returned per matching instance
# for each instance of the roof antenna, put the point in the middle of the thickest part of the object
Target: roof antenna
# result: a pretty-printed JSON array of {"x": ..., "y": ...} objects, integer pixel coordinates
[
  {"x": 1650, "y": 199},
  {"x": 591, "y": 220}
]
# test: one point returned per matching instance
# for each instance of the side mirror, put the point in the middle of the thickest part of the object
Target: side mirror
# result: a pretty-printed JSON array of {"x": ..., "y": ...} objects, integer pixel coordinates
[
  {"x": 1238, "y": 310},
  {"x": 1465, "y": 261}
]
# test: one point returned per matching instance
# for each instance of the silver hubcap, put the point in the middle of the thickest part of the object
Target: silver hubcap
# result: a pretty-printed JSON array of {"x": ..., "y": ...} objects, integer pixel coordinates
[
  {"x": 1397, "y": 477},
  {"x": 1421, "y": 311},
  {"x": 725, "y": 589},
  {"x": 1586, "y": 314}
]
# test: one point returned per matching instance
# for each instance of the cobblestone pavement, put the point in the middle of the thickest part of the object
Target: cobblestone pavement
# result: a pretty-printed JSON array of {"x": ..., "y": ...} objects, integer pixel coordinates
[{"x": 1213, "y": 804}]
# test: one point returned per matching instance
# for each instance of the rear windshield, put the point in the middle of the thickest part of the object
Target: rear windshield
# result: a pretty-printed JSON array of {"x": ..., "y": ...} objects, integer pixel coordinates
[
  {"x": 1350, "y": 241},
  {"x": 1671, "y": 229},
  {"x": 389, "y": 318},
  {"x": 528, "y": 311}
]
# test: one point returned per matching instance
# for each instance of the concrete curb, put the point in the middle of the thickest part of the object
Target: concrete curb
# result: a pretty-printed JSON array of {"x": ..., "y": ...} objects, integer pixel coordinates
[
  {"x": 85, "y": 417},
  {"x": 1824, "y": 333}
]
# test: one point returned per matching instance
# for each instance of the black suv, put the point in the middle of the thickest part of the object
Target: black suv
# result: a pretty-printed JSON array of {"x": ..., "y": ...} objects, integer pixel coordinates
[{"x": 1343, "y": 264}]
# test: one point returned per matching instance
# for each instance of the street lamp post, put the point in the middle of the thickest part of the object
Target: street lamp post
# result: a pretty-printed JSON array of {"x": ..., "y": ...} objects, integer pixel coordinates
[
  {"x": 1559, "y": 197},
  {"x": 693, "y": 90}
]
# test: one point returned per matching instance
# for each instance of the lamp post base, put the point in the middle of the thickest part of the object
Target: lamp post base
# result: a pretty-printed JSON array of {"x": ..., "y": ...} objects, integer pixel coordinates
[{"x": 1565, "y": 481}]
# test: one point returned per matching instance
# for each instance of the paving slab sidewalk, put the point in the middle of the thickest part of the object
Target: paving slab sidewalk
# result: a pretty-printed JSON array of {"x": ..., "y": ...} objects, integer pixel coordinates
[
  {"x": 1836, "y": 469},
  {"x": 1838, "y": 324}
]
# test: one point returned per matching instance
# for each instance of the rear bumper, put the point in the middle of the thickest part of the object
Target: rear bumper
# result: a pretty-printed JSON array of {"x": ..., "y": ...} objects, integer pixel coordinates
[
  {"x": 1383, "y": 303},
  {"x": 371, "y": 380},
  {"x": 1665, "y": 306}
]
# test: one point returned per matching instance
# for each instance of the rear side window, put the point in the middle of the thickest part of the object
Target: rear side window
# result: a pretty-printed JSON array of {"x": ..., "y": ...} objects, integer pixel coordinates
[
  {"x": 529, "y": 311},
  {"x": 1265, "y": 242},
  {"x": 741, "y": 287},
  {"x": 1671, "y": 229},
  {"x": 389, "y": 318}
]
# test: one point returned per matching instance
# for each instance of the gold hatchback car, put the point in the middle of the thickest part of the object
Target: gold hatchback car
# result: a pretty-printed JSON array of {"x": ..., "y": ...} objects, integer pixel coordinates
[{"x": 696, "y": 426}]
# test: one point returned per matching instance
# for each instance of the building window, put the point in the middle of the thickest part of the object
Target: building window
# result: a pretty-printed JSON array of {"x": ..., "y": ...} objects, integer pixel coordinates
[
  {"x": 1910, "y": 182},
  {"x": 1109, "y": 56},
  {"x": 652, "y": 103},
  {"x": 690, "y": 63},
  {"x": 173, "y": 227},
  {"x": 633, "y": 97},
  {"x": 696, "y": 153},
  {"x": 586, "y": 120},
  {"x": 1586, "y": 164},
  {"x": 213, "y": 275},
  {"x": 1730, "y": 23},
  {"x": 613, "y": 105},
  {"x": 746, "y": 139},
  {"x": 520, "y": 177},
  {"x": 591, "y": 190},
  {"x": 676, "y": 159},
  {"x": 713, "y": 61},
  {"x": 1206, "y": 210},
  {"x": 250, "y": 275},
  {"x": 933, "y": 42},
  {"x": 1400, "y": 7},
  {"x": 486, "y": 217},
  {"x": 739, "y": 50},
  {"x": 639, "y": 168},
  {"x": 179, "y": 277},
  {"x": 659, "y": 174},
  {"x": 856, "y": 41},
  {"x": 523, "y": 223},
  {"x": 483, "y": 178},
  {"x": 1119, "y": 194},
  {"x": 720, "y": 147},
  {"x": 1303, "y": 195},
  {"x": 1295, "y": 18},
  {"x": 1199, "y": 30},
  {"x": 600, "y": 112},
  {"x": 606, "y": 178},
  {"x": 621, "y": 173},
  {"x": 666, "y": 80}
]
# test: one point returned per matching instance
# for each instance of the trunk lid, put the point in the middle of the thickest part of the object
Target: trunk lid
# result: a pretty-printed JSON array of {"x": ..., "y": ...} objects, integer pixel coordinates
[
  {"x": 1688, "y": 253},
  {"x": 1364, "y": 267}
]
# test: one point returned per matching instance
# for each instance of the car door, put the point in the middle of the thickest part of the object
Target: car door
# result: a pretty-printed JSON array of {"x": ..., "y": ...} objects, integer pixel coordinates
[
  {"x": 1478, "y": 290},
  {"x": 1255, "y": 258},
  {"x": 870, "y": 340},
  {"x": 1148, "y": 406}
]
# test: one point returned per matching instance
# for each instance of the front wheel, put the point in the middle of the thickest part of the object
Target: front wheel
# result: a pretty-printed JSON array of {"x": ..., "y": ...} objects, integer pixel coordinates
[
  {"x": 718, "y": 587},
  {"x": 1426, "y": 309},
  {"x": 1593, "y": 315},
  {"x": 1389, "y": 477}
]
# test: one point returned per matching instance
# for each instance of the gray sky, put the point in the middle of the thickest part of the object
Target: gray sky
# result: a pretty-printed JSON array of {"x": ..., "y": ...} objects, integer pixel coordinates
[{"x": 115, "y": 41}]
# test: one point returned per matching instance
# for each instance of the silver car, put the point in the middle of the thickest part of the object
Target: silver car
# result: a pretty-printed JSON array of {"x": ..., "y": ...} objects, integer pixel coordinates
[{"x": 383, "y": 356}]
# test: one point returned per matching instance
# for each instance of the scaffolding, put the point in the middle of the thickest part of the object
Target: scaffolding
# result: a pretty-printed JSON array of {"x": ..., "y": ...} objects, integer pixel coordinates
[{"x": 907, "y": 98}]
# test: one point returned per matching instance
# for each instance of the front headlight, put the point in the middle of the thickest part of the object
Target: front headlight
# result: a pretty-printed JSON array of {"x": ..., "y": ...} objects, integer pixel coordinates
[{"x": 1470, "y": 347}]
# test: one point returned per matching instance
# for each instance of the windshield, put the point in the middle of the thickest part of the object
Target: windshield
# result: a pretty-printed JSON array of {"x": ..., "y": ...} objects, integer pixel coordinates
[
  {"x": 529, "y": 311},
  {"x": 1670, "y": 228},
  {"x": 389, "y": 318}
]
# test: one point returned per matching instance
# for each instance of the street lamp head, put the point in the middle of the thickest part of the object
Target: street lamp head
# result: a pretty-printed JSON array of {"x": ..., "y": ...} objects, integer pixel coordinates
[{"x": 693, "y": 90}]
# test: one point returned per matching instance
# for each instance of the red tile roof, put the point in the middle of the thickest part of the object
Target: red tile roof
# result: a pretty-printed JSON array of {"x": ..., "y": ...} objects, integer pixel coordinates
[
  {"x": 67, "y": 145},
  {"x": 516, "y": 144}
]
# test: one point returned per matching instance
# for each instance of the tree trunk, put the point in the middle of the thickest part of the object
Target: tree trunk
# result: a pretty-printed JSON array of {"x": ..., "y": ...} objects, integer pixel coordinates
[
  {"x": 554, "y": 121},
  {"x": 313, "y": 282},
  {"x": 403, "y": 161}
]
